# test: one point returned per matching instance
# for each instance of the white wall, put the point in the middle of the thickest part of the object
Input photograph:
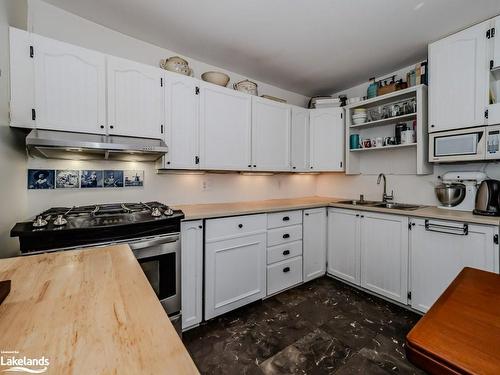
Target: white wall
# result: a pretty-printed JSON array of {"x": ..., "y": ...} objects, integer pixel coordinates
[
  {"x": 53, "y": 22},
  {"x": 12, "y": 155},
  {"x": 169, "y": 188}
]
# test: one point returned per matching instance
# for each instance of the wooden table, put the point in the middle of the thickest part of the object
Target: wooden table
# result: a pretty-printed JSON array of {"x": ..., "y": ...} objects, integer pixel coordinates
[
  {"x": 89, "y": 312},
  {"x": 460, "y": 334}
]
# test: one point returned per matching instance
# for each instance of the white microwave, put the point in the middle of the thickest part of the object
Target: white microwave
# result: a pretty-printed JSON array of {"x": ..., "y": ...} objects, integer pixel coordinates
[{"x": 465, "y": 145}]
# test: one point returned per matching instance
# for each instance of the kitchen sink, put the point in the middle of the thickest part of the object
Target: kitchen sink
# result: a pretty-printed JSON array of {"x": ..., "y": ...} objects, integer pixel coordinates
[
  {"x": 390, "y": 205},
  {"x": 355, "y": 202},
  {"x": 398, "y": 206}
]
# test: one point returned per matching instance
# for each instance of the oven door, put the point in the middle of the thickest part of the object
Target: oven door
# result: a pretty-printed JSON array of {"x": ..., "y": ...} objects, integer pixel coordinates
[
  {"x": 159, "y": 258},
  {"x": 457, "y": 145}
]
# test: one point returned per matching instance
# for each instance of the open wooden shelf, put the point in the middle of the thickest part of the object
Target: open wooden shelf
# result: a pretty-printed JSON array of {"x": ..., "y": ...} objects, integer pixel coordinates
[{"x": 412, "y": 158}]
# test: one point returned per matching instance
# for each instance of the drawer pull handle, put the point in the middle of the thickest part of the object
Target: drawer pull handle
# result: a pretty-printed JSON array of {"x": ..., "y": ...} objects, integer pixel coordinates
[
  {"x": 240, "y": 225},
  {"x": 286, "y": 235},
  {"x": 286, "y": 218},
  {"x": 286, "y": 252},
  {"x": 286, "y": 269}
]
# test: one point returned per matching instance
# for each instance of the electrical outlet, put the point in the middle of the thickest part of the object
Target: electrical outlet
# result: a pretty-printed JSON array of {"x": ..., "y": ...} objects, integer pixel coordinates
[{"x": 205, "y": 184}]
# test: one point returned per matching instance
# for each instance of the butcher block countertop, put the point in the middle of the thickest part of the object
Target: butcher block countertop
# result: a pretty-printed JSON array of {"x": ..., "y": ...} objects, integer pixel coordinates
[
  {"x": 88, "y": 311},
  {"x": 214, "y": 210},
  {"x": 460, "y": 334}
]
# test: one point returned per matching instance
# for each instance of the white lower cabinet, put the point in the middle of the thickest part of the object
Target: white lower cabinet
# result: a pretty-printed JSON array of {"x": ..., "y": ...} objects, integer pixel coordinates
[
  {"x": 384, "y": 254},
  {"x": 235, "y": 264},
  {"x": 441, "y": 249},
  {"x": 191, "y": 273},
  {"x": 343, "y": 244},
  {"x": 284, "y": 275},
  {"x": 369, "y": 250},
  {"x": 314, "y": 241}
]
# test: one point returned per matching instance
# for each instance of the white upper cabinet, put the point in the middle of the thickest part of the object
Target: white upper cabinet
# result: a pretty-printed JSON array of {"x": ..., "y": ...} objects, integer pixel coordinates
[
  {"x": 326, "y": 140},
  {"x": 22, "y": 100},
  {"x": 300, "y": 140},
  {"x": 459, "y": 79},
  {"x": 384, "y": 254},
  {"x": 70, "y": 87},
  {"x": 496, "y": 43},
  {"x": 271, "y": 126},
  {"x": 135, "y": 99},
  {"x": 181, "y": 122},
  {"x": 225, "y": 128}
]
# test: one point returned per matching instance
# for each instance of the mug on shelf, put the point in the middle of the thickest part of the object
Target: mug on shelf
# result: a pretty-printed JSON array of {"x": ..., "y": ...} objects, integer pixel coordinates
[
  {"x": 354, "y": 141},
  {"x": 367, "y": 143}
]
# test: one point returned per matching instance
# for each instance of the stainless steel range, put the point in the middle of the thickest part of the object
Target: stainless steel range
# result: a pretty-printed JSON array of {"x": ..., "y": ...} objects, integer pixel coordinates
[{"x": 151, "y": 229}]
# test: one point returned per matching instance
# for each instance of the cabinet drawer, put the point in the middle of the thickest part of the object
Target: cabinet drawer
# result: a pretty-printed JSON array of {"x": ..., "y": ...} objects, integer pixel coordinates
[
  {"x": 282, "y": 219},
  {"x": 284, "y": 235},
  {"x": 283, "y": 252},
  {"x": 284, "y": 274},
  {"x": 234, "y": 226}
]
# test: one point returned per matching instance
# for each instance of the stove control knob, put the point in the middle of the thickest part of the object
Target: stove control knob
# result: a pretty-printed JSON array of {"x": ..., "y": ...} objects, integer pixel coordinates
[
  {"x": 155, "y": 212},
  {"x": 40, "y": 222},
  {"x": 60, "y": 221},
  {"x": 169, "y": 211}
]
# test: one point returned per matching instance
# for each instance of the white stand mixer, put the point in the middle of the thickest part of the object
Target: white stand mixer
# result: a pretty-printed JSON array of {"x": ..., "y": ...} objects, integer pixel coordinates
[{"x": 458, "y": 190}]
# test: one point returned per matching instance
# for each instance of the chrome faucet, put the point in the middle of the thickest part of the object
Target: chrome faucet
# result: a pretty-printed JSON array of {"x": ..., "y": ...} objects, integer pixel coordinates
[{"x": 385, "y": 197}]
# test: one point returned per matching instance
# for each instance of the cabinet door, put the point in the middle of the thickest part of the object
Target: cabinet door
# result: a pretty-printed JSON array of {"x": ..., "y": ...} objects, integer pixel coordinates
[
  {"x": 271, "y": 126},
  {"x": 459, "y": 74},
  {"x": 192, "y": 272},
  {"x": 440, "y": 250},
  {"x": 235, "y": 273},
  {"x": 314, "y": 243},
  {"x": 21, "y": 79},
  {"x": 384, "y": 254},
  {"x": 327, "y": 139},
  {"x": 70, "y": 87},
  {"x": 135, "y": 99},
  {"x": 182, "y": 122},
  {"x": 225, "y": 129},
  {"x": 300, "y": 140},
  {"x": 343, "y": 244},
  {"x": 496, "y": 44}
]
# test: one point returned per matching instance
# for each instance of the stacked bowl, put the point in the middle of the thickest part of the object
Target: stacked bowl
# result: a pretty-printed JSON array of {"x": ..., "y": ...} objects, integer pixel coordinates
[{"x": 359, "y": 116}]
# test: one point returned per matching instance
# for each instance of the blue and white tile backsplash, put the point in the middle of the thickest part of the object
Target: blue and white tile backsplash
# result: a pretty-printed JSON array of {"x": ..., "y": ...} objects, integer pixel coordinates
[{"x": 43, "y": 179}]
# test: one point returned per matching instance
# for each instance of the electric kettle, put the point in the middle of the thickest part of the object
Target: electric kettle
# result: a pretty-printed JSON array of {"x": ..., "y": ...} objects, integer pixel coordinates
[{"x": 487, "y": 198}]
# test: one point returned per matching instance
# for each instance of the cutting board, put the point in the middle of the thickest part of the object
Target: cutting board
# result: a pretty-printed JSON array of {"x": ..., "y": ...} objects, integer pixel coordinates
[{"x": 4, "y": 289}]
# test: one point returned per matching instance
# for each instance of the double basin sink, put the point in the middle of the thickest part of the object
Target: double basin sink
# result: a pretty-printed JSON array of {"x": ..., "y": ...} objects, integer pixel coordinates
[{"x": 390, "y": 205}]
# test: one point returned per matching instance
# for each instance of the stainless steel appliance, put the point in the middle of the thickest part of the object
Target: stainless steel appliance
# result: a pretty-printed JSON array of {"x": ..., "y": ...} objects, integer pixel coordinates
[
  {"x": 79, "y": 146},
  {"x": 151, "y": 229},
  {"x": 458, "y": 190},
  {"x": 488, "y": 198}
]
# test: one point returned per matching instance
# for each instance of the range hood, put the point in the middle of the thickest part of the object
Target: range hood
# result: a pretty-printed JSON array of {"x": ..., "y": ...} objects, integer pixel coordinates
[{"x": 78, "y": 146}]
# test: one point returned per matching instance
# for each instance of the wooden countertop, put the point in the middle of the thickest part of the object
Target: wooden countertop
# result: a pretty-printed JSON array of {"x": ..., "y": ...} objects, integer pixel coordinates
[
  {"x": 460, "y": 334},
  {"x": 88, "y": 311},
  {"x": 213, "y": 210}
]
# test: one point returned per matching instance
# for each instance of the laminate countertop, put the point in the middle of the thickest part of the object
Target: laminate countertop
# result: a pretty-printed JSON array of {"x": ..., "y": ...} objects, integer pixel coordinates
[
  {"x": 88, "y": 311},
  {"x": 214, "y": 210}
]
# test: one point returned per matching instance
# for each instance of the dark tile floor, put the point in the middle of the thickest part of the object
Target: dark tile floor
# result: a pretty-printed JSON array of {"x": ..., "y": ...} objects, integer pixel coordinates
[{"x": 321, "y": 327}]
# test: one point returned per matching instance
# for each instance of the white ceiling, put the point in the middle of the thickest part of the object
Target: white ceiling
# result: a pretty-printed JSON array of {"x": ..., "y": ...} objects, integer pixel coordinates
[{"x": 306, "y": 46}]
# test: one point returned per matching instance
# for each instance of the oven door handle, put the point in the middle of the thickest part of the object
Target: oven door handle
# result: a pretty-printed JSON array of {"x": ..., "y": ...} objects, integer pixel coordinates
[{"x": 153, "y": 242}]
